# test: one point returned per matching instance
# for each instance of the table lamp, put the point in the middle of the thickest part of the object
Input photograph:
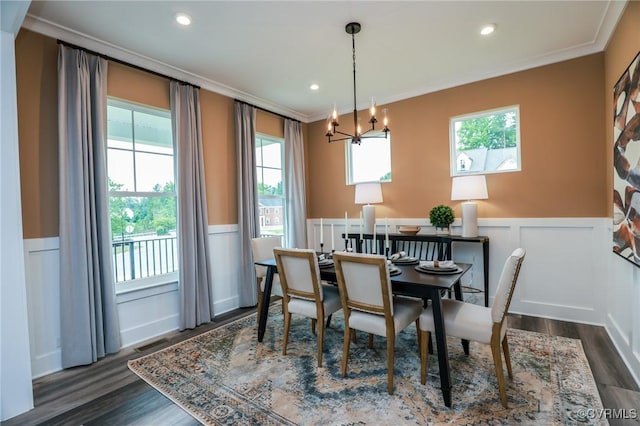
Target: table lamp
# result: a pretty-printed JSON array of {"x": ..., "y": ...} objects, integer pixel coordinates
[
  {"x": 367, "y": 193},
  {"x": 469, "y": 188}
]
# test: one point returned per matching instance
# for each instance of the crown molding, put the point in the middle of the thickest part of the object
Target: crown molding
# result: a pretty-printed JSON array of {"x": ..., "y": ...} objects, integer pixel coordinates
[
  {"x": 615, "y": 9},
  {"x": 56, "y": 31}
]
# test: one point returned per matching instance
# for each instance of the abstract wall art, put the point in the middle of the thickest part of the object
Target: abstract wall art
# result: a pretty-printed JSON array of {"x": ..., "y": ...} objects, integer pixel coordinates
[{"x": 626, "y": 163}]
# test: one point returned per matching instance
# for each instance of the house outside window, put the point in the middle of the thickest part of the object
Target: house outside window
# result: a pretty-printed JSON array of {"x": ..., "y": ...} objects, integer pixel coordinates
[
  {"x": 142, "y": 196},
  {"x": 486, "y": 142},
  {"x": 269, "y": 169}
]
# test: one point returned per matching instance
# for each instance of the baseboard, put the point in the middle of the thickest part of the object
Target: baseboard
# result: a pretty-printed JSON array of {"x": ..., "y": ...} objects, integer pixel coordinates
[
  {"x": 623, "y": 347},
  {"x": 227, "y": 305},
  {"x": 145, "y": 332},
  {"x": 47, "y": 363}
]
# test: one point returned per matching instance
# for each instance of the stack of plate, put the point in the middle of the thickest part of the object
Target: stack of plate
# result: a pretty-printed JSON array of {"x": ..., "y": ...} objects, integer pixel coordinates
[
  {"x": 394, "y": 271},
  {"x": 442, "y": 268},
  {"x": 406, "y": 260},
  {"x": 325, "y": 263}
]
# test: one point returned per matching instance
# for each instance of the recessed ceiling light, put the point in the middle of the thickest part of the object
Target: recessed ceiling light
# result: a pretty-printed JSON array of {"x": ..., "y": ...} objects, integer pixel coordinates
[
  {"x": 314, "y": 86},
  {"x": 183, "y": 19},
  {"x": 488, "y": 29}
]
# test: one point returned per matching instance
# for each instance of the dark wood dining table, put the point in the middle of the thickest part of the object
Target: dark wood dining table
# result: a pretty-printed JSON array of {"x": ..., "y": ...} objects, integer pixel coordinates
[{"x": 409, "y": 282}]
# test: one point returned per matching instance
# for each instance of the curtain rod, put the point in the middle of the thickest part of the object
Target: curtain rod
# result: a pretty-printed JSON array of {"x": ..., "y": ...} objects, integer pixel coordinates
[
  {"x": 266, "y": 110},
  {"x": 119, "y": 61}
]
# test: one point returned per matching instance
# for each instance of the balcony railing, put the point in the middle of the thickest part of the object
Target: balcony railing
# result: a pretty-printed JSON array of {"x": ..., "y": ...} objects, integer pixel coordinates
[{"x": 142, "y": 258}]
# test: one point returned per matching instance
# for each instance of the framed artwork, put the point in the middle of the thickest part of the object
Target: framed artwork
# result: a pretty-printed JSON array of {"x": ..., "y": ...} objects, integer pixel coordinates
[{"x": 626, "y": 163}]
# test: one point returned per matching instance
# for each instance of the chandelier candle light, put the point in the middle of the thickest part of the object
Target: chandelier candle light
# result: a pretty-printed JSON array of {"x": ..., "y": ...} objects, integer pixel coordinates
[{"x": 353, "y": 28}]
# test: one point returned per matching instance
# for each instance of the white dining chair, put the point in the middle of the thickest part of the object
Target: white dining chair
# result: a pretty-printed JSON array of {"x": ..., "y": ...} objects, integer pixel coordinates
[
  {"x": 304, "y": 294},
  {"x": 262, "y": 249},
  {"x": 368, "y": 304},
  {"x": 478, "y": 323}
]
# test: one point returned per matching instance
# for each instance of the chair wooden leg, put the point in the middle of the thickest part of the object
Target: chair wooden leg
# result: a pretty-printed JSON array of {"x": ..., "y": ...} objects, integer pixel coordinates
[
  {"x": 285, "y": 339},
  {"x": 354, "y": 336},
  {"x": 320, "y": 341},
  {"x": 345, "y": 348},
  {"x": 425, "y": 337},
  {"x": 507, "y": 356},
  {"x": 370, "y": 340},
  {"x": 260, "y": 298},
  {"x": 391, "y": 342},
  {"x": 497, "y": 360},
  {"x": 313, "y": 325}
]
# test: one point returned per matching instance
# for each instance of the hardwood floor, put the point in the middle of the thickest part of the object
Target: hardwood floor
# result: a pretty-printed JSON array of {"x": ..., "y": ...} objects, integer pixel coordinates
[{"x": 107, "y": 393}]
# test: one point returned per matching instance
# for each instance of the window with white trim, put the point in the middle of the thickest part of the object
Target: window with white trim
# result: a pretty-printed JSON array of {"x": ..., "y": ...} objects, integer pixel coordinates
[
  {"x": 485, "y": 142},
  {"x": 142, "y": 196},
  {"x": 370, "y": 161},
  {"x": 269, "y": 169}
]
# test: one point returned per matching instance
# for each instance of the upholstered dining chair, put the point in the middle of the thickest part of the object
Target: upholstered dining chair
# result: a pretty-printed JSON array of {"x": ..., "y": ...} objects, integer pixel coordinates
[
  {"x": 262, "y": 249},
  {"x": 478, "y": 323},
  {"x": 368, "y": 304},
  {"x": 304, "y": 293}
]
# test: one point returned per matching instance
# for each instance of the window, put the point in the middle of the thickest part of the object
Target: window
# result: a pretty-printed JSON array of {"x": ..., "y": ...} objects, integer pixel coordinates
[
  {"x": 142, "y": 196},
  {"x": 271, "y": 201},
  {"x": 485, "y": 142},
  {"x": 370, "y": 161}
]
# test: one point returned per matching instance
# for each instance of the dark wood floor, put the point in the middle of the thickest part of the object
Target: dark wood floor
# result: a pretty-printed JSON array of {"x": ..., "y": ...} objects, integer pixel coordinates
[{"x": 107, "y": 393}]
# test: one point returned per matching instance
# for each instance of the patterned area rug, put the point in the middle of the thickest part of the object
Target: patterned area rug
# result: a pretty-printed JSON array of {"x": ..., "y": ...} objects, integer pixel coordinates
[{"x": 225, "y": 377}]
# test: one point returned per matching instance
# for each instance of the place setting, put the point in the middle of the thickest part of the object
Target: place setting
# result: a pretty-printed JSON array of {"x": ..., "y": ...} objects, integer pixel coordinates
[
  {"x": 401, "y": 258},
  {"x": 393, "y": 269},
  {"x": 324, "y": 262},
  {"x": 444, "y": 267}
]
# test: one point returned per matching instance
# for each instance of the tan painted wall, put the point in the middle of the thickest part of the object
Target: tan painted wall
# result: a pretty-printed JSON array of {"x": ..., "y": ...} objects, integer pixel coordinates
[
  {"x": 623, "y": 46},
  {"x": 566, "y": 142},
  {"x": 563, "y": 172},
  {"x": 36, "y": 64},
  {"x": 37, "y": 91}
]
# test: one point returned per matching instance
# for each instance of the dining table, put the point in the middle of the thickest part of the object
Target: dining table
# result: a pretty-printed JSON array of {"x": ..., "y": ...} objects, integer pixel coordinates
[{"x": 408, "y": 282}]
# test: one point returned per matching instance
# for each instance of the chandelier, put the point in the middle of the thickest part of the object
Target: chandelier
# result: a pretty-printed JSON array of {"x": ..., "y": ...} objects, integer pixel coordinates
[{"x": 353, "y": 28}]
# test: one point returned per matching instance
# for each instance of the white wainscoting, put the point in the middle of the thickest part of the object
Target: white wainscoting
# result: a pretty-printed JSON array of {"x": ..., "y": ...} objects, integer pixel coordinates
[
  {"x": 144, "y": 314},
  {"x": 569, "y": 273}
]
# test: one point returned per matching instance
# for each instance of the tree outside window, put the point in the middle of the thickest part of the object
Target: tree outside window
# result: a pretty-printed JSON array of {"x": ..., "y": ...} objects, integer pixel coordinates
[{"x": 485, "y": 142}]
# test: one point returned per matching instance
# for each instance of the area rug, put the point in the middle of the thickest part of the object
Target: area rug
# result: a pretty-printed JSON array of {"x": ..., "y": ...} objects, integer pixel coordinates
[{"x": 225, "y": 377}]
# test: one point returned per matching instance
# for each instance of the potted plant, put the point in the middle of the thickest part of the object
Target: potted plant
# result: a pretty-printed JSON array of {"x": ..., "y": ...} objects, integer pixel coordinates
[{"x": 441, "y": 217}]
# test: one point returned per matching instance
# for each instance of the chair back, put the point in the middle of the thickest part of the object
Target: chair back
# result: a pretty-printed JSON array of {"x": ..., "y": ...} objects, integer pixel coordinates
[
  {"x": 299, "y": 273},
  {"x": 363, "y": 281},
  {"x": 507, "y": 284},
  {"x": 367, "y": 244},
  {"x": 427, "y": 248},
  {"x": 262, "y": 249}
]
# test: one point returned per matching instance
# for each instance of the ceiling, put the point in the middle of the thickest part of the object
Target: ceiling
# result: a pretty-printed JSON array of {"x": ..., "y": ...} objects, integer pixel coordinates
[{"x": 268, "y": 53}]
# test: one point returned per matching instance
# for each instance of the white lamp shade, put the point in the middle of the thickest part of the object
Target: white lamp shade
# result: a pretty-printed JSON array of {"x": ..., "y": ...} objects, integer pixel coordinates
[
  {"x": 469, "y": 188},
  {"x": 367, "y": 193}
]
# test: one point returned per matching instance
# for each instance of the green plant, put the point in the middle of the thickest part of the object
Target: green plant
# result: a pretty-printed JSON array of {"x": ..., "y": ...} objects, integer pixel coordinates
[{"x": 441, "y": 216}]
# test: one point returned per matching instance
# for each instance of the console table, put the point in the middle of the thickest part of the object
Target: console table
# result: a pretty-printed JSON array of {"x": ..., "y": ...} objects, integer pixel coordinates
[{"x": 365, "y": 245}]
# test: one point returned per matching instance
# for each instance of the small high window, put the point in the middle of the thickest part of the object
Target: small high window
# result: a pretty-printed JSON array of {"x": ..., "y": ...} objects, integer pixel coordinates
[
  {"x": 485, "y": 142},
  {"x": 370, "y": 161}
]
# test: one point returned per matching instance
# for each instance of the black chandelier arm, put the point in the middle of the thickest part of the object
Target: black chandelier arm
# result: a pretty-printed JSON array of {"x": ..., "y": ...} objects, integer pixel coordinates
[
  {"x": 341, "y": 139},
  {"x": 353, "y": 28}
]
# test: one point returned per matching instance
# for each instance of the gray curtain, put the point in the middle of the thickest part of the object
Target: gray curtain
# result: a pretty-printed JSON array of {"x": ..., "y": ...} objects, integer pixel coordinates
[
  {"x": 89, "y": 326},
  {"x": 245, "y": 128},
  {"x": 193, "y": 247},
  {"x": 294, "y": 189}
]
